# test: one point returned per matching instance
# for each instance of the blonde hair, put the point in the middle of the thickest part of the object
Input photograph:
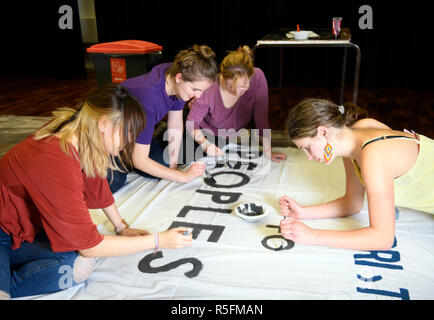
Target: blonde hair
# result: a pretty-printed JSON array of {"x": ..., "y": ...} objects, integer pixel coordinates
[
  {"x": 112, "y": 101},
  {"x": 195, "y": 63},
  {"x": 304, "y": 119},
  {"x": 237, "y": 64}
]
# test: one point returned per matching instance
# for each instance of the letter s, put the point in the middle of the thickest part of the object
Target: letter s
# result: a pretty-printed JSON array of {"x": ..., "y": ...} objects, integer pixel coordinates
[{"x": 145, "y": 265}]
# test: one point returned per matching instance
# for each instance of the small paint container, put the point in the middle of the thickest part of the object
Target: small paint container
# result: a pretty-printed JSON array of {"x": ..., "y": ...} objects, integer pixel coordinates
[{"x": 251, "y": 211}]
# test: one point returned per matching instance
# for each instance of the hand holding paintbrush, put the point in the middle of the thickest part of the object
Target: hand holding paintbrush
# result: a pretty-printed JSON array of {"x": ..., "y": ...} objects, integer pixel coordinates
[
  {"x": 210, "y": 177},
  {"x": 226, "y": 160},
  {"x": 196, "y": 170}
]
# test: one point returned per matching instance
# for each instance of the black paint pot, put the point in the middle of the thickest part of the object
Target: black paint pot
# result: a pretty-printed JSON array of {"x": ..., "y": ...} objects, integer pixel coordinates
[{"x": 251, "y": 212}]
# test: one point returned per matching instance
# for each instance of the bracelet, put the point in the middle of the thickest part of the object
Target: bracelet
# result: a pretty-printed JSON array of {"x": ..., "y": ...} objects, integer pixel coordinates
[
  {"x": 117, "y": 231},
  {"x": 156, "y": 241},
  {"x": 205, "y": 144}
]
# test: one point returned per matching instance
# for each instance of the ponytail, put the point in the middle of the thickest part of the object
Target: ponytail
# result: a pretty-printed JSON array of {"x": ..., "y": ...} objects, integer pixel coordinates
[
  {"x": 238, "y": 63},
  {"x": 304, "y": 119},
  {"x": 352, "y": 113},
  {"x": 195, "y": 63},
  {"x": 246, "y": 50}
]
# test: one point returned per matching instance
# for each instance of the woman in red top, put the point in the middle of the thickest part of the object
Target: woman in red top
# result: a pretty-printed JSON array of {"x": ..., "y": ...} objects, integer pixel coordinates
[{"x": 49, "y": 182}]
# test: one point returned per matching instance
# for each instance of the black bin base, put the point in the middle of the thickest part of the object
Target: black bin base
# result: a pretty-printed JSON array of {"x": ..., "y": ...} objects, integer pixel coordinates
[{"x": 135, "y": 65}]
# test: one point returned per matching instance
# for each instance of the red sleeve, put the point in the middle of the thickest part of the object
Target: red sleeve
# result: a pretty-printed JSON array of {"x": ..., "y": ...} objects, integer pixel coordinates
[{"x": 97, "y": 193}]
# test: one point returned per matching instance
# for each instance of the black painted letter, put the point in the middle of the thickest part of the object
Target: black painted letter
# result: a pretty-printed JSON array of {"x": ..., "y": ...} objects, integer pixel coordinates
[{"x": 145, "y": 265}]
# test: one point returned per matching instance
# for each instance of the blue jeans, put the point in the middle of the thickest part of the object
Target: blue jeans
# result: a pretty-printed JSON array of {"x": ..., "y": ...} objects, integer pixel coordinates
[
  {"x": 156, "y": 153},
  {"x": 34, "y": 268}
]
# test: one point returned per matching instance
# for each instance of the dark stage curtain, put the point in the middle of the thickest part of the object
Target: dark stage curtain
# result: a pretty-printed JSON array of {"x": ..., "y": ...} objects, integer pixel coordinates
[
  {"x": 397, "y": 52},
  {"x": 32, "y": 44}
]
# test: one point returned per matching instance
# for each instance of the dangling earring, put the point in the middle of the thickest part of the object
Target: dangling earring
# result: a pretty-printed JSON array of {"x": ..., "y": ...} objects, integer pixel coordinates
[{"x": 327, "y": 152}]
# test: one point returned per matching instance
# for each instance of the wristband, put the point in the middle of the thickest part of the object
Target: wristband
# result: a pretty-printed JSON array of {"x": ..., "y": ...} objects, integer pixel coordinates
[
  {"x": 156, "y": 242},
  {"x": 204, "y": 145},
  {"x": 117, "y": 231}
]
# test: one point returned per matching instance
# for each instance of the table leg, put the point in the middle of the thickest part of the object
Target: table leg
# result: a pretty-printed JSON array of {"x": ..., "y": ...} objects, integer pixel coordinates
[
  {"x": 344, "y": 67},
  {"x": 281, "y": 68},
  {"x": 356, "y": 73}
]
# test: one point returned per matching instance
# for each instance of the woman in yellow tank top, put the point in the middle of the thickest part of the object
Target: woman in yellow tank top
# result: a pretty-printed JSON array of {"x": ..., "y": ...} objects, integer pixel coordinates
[{"x": 394, "y": 168}]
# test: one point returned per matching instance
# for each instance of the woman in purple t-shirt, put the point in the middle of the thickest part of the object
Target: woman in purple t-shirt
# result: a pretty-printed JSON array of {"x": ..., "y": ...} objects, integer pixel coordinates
[
  {"x": 164, "y": 91},
  {"x": 239, "y": 94}
]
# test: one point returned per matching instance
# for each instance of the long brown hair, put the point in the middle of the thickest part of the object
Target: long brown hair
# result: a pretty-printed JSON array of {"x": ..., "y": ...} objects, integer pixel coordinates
[
  {"x": 304, "y": 119},
  {"x": 112, "y": 101},
  {"x": 195, "y": 63}
]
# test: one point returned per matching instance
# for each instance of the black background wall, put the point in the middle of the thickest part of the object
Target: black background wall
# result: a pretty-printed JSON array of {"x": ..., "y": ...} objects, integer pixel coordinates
[
  {"x": 397, "y": 52},
  {"x": 32, "y": 44}
]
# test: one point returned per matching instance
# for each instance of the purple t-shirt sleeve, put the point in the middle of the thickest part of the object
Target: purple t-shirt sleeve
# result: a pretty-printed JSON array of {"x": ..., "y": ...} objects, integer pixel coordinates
[
  {"x": 145, "y": 136},
  {"x": 150, "y": 90},
  {"x": 177, "y": 105}
]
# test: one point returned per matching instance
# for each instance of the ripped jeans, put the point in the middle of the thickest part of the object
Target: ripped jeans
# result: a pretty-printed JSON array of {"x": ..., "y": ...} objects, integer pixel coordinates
[{"x": 34, "y": 268}]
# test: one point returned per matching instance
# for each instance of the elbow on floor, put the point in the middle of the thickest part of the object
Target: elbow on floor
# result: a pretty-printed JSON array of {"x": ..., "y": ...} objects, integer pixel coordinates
[{"x": 386, "y": 244}]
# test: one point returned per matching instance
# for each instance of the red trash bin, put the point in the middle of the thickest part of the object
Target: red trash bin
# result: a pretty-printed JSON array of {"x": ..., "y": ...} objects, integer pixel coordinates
[{"x": 119, "y": 60}]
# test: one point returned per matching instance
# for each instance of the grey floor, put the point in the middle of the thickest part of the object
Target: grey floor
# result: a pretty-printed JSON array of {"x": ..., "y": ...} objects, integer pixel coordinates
[{"x": 14, "y": 129}]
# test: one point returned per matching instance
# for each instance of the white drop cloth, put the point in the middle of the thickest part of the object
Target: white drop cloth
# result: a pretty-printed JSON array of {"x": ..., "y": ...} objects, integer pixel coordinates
[{"x": 238, "y": 265}]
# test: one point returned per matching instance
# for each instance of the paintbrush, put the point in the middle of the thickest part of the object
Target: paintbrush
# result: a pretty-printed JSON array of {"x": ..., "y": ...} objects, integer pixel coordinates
[
  {"x": 210, "y": 177},
  {"x": 225, "y": 159},
  {"x": 281, "y": 240}
]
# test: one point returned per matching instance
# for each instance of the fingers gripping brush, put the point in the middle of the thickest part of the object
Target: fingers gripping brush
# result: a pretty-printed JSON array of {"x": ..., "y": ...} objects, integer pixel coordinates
[
  {"x": 210, "y": 177},
  {"x": 227, "y": 162}
]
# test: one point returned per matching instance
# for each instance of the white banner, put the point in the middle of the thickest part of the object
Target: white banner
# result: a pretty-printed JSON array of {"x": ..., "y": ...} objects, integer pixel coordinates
[{"x": 234, "y": 259}]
